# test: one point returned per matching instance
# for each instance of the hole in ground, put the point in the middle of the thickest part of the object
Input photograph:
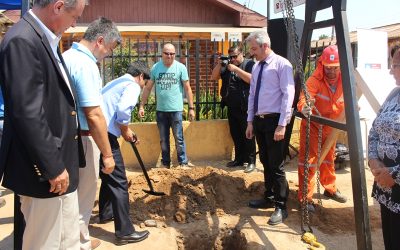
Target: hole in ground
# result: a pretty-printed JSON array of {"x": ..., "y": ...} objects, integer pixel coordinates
[{"x": 227, "y": 238}]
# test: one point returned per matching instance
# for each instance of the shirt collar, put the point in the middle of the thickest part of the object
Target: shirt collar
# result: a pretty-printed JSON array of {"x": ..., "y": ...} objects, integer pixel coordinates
[
  {"x": 129, "y": 76},
  {"x": 269, "y": 57},
  {"x": 83, "y": 49},
  {"x": 51, "y": 37}
]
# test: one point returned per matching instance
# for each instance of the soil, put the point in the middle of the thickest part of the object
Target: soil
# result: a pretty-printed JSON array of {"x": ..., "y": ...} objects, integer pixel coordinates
[{"x": 205, "y": 207}]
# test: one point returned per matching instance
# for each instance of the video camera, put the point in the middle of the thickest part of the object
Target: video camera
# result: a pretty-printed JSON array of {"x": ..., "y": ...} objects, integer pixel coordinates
[{"x": 225, "y": 60}]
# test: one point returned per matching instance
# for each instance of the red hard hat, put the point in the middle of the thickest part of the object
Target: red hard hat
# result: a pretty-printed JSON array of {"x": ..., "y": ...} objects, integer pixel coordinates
[{"x": 330, "y": 56}]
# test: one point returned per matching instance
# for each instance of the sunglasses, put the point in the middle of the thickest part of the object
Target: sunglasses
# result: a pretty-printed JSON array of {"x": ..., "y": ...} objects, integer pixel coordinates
[
  {"x": 234, "y": 56},
  {"x": 168, "y": 54}
]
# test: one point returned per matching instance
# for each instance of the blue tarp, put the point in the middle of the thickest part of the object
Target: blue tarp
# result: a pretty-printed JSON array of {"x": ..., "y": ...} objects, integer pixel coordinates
[{"x": 10, "y": 4}]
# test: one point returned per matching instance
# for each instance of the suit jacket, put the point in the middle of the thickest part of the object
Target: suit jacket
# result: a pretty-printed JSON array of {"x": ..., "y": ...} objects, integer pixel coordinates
[{"x": 40, "y": 136}]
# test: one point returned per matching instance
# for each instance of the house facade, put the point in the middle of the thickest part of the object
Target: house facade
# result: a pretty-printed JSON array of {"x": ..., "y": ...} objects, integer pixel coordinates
[{"x": 195, "y": 27}]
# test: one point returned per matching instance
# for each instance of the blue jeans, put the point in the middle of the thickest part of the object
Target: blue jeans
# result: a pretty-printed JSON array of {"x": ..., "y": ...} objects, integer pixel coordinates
[{"x": 165, "y": 121}]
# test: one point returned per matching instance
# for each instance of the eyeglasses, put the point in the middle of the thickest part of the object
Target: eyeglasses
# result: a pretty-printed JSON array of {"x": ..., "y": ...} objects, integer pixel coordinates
[
  {"x": 393, "y": 66},
  {"x": 168, "y": 54}
]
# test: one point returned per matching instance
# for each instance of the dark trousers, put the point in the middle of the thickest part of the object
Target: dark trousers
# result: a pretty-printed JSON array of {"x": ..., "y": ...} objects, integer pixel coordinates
[
  {"x": 245, "y": 149},
  {"x": 390, "y": 227},
  {"x": 114, "y": 197},
  {"x": 272, "y": 158}
]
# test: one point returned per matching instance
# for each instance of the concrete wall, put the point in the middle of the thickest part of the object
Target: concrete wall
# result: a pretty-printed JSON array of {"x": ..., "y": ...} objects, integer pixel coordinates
[{"x": 205, "y": 140}]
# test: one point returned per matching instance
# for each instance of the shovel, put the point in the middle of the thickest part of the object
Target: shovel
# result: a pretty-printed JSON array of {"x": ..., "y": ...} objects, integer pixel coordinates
[{"x": 151, "y": 191}]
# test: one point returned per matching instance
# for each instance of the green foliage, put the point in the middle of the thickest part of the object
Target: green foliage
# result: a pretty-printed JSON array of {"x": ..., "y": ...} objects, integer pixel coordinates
[
  {"x": 324, "y": 36},
  {"x": 309, "y": 69},
  {"x": 123, "y": 56},
  {"x": 149, "y": 111},
  {"x": 209, "y": 108},
  {"x": 206, "y": 112},
  {"x": 122, "y": 59},
  {"x": 117, "y": 65}
]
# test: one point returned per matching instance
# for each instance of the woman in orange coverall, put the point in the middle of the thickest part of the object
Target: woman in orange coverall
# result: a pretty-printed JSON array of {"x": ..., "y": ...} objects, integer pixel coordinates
[{"x": 326, "y": 93}]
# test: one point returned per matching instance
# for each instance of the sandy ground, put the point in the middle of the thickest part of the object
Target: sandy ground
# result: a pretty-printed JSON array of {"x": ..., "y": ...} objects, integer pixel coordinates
[{"x": 205, "y": 207}]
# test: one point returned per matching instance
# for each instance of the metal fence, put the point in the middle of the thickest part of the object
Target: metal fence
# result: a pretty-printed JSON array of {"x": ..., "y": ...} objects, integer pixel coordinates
[{"x": 198, "y": 55}]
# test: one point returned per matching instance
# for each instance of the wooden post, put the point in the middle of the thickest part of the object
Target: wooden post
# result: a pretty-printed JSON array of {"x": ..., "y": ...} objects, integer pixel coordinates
[{"x": 332, "y": 137}]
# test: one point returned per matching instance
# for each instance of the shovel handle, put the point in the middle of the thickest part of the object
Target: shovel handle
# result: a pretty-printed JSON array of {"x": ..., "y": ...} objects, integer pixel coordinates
[{"x": 146, "y": 175}]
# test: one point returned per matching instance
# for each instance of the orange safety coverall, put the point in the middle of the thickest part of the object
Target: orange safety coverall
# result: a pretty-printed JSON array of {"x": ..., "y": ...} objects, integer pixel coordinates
[{"x": 330, "y": 105}]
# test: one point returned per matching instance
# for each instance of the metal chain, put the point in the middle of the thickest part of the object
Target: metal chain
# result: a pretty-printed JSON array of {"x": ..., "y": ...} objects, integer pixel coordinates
[
  {"x": 292, "y": 36},
  {"x": 318, "y": 158}
]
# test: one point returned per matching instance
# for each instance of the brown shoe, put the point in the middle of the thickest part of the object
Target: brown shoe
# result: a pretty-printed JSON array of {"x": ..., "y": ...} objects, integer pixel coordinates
[{"x": 95, "y": 243}]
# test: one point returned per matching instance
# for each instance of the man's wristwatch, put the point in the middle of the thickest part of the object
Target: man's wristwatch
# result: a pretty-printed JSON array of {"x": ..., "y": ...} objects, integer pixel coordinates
[{"x": 191, "y": 108}]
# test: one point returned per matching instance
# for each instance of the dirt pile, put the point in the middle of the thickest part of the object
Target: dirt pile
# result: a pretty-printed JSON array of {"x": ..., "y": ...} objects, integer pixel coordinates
[
  {"x": 191, "y": 194},
  {"x": 199, "y": 199}
]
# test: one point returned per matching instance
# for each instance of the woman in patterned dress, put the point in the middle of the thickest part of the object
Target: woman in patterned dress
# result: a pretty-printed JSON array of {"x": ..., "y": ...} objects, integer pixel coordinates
[{"x": 384, "y": 160}]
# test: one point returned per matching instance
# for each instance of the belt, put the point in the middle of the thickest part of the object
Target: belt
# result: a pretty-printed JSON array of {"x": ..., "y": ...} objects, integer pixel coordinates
[
  {"x": 85, "y": 133},
  {"x": 269, "y": 115},
  {"x": 1, "y": 118}
]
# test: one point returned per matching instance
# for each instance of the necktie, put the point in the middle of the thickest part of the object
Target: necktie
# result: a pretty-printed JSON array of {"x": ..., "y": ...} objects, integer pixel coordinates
[{"x": 258, "y": 85}]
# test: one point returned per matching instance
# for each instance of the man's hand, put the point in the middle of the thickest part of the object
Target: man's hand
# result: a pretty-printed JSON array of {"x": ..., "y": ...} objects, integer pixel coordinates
[
  {"x": 279, "y": 133},
  {"x": 232, "y": 67},
  {"x": 191, "y": 115},
  {"x": 306, "y": 111},
  {"x": 108, "y": 164},
  {"x": 129, "y": 135},
  {"x": 249, "y": 130},
  {"x": 141, "y": 112},
  {"x": 59, "y": 185}
]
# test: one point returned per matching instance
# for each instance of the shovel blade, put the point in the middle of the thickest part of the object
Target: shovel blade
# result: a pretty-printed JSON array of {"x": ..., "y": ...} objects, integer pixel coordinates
[{"x": 152, "y": 192}]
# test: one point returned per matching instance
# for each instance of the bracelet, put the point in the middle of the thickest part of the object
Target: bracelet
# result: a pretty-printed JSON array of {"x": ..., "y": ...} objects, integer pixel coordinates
[
  {"x": 141, "y": 108},
  {"x": 107, "y": 156},
  {"x": 191, "y": 108}
]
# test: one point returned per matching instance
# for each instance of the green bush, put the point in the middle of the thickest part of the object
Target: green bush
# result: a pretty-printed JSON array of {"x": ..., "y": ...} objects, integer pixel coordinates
[{"x": 208, "y": 111}]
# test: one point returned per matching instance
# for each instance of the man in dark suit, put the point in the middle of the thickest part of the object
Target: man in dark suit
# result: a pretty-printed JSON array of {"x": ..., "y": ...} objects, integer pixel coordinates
[{"x": 41, "y": 151}]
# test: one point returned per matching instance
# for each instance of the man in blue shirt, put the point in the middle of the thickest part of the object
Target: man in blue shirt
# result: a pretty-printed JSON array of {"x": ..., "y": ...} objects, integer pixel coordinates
[
  {"x": 99, "y": 40},
  {"x": 119, "y": 98},
  {"x": 171, "y": 78}
]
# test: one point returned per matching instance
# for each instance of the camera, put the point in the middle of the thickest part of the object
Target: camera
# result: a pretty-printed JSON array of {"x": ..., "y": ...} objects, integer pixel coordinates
[{"x": 225, "y": 60}]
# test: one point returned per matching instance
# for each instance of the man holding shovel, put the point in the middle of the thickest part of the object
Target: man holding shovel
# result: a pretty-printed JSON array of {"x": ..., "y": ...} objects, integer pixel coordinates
[{"x": 119, "y": 98}]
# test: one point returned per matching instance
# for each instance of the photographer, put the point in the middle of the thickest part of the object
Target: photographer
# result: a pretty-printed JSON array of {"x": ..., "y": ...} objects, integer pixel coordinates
[{"x": 235, "y": 72}]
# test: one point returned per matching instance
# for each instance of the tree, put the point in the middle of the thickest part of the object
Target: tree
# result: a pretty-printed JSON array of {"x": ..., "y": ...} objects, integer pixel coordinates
[{"x": 324, "y": 36}]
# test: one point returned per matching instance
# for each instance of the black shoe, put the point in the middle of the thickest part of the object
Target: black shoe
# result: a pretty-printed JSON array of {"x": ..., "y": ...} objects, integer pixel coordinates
[
  {"x": 336, "y": 196},
  {"x": 278, "y": 216},
  {"x": 233, "y": 164},
  {"x": 131, "y": 238},
  {"x": 250, "y": 168},
  {"x": 262, "y": 203},
  {"x": 310, "y": 206}
]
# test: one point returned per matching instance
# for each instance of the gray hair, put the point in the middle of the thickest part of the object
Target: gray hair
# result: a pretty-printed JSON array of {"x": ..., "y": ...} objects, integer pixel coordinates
[
  {"x": 102, "y": 27},
  {"x": 44, "y": 3},
  {"x": 260, "y": 36}
]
